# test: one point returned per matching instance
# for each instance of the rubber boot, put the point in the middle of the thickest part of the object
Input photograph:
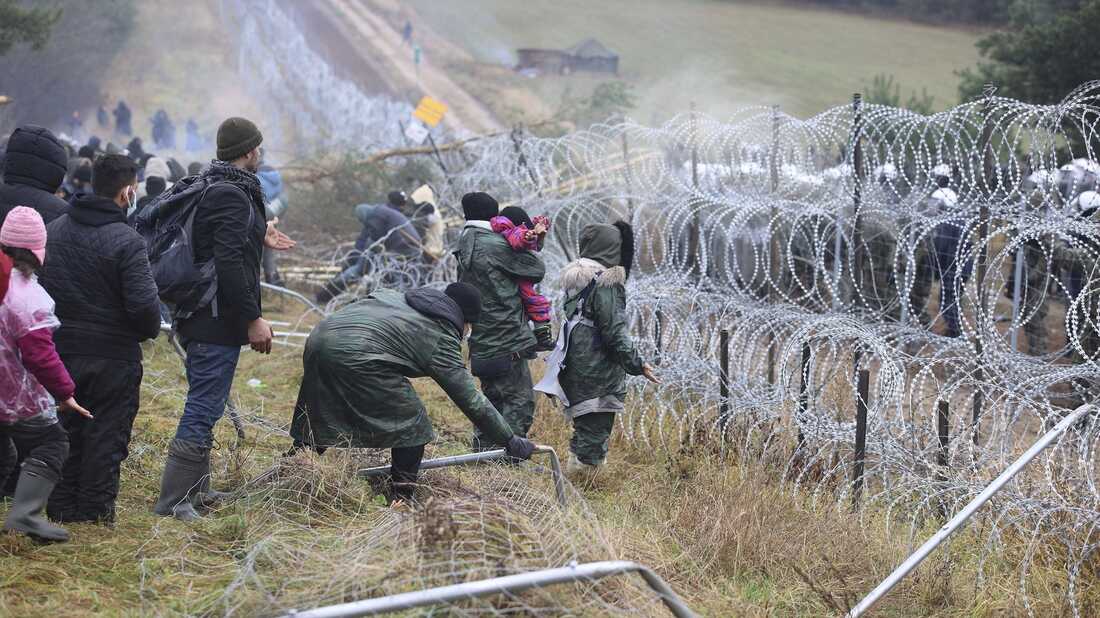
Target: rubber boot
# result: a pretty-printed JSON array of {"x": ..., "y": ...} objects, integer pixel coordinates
[
  {"x": 183, "y": 474},
  {"x": 207, "y": 498},
  {"x": 36, "y": 482},
  {"x": 331, "y": 290},
  {"x": 580, "y": 470}
]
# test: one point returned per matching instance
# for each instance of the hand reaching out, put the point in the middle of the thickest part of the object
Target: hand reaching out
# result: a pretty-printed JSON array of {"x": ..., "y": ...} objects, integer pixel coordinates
[
  {"x": 647, "y": 371},
  {"x": 274, "y": 239},
  {"x": 70, "y": 405}
]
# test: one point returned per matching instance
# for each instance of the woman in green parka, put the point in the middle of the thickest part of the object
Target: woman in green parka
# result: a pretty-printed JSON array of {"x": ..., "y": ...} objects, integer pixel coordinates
[{"x": 600, "y": 352}]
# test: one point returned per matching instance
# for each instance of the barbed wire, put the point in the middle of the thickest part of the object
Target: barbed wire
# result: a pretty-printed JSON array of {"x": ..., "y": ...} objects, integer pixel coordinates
[{"x": 938, "y": 271}]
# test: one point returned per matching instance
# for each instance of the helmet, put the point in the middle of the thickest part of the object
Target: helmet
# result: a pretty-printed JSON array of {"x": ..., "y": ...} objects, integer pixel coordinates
[
  {"x": 1088, "y": 202},
  {"x": 946, "y": 196},
  {"x": 1039, "y": 180},
  {"x": 886, "y": 171},
  {"x": 942, "y": 170}
]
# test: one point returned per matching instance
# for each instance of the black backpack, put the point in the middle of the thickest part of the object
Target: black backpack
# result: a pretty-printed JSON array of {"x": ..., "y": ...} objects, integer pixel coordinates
[{"x": 166, "y": 223}]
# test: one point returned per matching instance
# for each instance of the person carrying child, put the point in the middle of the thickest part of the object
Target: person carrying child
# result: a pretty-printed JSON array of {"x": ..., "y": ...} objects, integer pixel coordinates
[
  {"x": 526, "y": 234},
  {"x": 32, "y": 378}
]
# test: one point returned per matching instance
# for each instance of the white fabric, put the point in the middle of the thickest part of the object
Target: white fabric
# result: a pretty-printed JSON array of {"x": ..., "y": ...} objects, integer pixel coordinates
[
  {"x": 607, "y": 403},
  {"x": 25, "y": 309},
  {"x": 549, "y": 383},
  {"x": 485, "y": 225}
]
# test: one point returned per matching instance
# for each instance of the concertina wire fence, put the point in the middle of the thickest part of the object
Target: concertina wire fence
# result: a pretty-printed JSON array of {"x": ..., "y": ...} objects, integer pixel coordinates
[
  {"x": 905, "y": 302},
  {"x": 888, "y": 307}
]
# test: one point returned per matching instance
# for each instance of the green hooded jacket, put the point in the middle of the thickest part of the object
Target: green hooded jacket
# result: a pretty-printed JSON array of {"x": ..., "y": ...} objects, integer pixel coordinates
[
  {"x": 601, "y": 352},
  {"x": 355, "y": 392},
  {"x": 487, "y": 262}
]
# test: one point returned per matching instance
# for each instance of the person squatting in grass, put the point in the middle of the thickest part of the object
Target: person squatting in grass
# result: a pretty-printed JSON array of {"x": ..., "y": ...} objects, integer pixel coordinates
[
  {"x": 501, "y": 342},
  {"x": 32, "y": 378},
  {"x": 106, "y": 297},
  {"x": 356, "y": 392},
  {"x": 525, "y": 234},
  {"x": 595, "y": 352},
  {"x": 214, "y": 334}
]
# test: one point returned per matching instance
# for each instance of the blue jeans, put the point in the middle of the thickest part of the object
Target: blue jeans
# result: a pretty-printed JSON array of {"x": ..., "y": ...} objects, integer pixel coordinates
[{"x": 210, "y": 370}]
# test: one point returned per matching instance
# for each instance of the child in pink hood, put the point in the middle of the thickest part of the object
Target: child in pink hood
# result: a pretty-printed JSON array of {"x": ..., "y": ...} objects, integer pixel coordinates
[
  {"x": 525, "y": 234},
  {"x": 32, "y": 379}
]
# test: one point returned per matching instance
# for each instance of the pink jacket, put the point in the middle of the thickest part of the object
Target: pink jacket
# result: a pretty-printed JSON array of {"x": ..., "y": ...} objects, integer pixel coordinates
[
  {"x": 32, "y": 376},
  {"x": 516, "y": 235}
]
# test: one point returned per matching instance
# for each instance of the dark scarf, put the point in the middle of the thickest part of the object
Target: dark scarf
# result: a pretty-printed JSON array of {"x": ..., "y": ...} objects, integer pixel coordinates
[{"x": 221, "y": 171}]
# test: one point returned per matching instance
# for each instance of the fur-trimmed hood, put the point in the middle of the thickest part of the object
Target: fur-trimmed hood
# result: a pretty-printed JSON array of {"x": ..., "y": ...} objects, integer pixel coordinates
[{"x": 578, "y": 273}]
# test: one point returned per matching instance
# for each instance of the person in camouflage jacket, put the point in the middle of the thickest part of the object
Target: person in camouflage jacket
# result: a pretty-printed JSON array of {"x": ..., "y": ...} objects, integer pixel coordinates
[
  {"x": 355, "y": 391},
  {"x": 600, "y": 351},
  {"x": 502, "y": 341}
]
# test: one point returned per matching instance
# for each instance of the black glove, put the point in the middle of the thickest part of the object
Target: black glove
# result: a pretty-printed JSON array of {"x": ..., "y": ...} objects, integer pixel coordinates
[
  {"x": 544, "y": 337},
  {"x": 520, "y": 448}
]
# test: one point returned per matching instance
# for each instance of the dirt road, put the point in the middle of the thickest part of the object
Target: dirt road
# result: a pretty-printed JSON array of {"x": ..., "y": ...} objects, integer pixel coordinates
[{"x": 376, "y": 44}]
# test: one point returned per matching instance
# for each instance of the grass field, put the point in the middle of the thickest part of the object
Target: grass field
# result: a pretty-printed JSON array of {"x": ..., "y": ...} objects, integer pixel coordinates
[
  {"x": 724, "y": 55},
  {"x": 729, "y": 538}
]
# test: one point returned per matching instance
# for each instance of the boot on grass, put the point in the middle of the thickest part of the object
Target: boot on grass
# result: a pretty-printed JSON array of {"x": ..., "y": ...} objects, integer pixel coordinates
[
  {"x": 36, "y": 482},
  {"x": 208, "y": 498},
  {"x": 184, "y": 471}
]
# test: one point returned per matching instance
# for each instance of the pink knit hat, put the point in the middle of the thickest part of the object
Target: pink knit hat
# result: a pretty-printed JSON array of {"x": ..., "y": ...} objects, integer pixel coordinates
[{"x": 24, "y": 229}]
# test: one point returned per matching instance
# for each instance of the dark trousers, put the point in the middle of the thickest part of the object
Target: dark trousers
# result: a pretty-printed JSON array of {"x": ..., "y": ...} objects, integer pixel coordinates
[
  {"x": 110, "y": 389},
  {"x": 404, "y": 469},
  {"x": 404, "y": 466},
  {"x": 513, "y": 395},
  {"x": 210, "y": 370},
  {"x": 591, "y": 435},
  {"x": 46, "y": 443}
]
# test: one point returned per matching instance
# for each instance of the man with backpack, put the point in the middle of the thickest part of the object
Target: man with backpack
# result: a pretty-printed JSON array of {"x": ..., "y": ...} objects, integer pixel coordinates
[
  {"x": 99, "y": 276},
  {"x": 228, "y": 230}
]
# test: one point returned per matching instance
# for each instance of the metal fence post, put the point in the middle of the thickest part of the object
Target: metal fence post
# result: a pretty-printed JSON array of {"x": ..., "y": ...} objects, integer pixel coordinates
[
  {"x": 861, "y": 436},
  {"x": 658, "y": 335},
  {"x": 723, "y": 380},
  {"x": 694, "y": 232},
  {"x": 803, "y": 393},
  {"x": 981, "y": 267},
  {"x": 943, "y": 412},
  {"x": 627, "y": 176},
  {"x": 863, "y": 375},
  {"x": 773, "y": 240}
]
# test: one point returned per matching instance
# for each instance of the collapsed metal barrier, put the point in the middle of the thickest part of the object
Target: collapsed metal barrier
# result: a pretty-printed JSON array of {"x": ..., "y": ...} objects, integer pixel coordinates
[
  {"x": 469, "y": 459},
  {"x": 972, "y": 507},
  {"x": 502, "y": 585}
]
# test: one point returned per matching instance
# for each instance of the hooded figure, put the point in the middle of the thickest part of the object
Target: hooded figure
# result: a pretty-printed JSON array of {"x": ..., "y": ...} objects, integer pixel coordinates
[
  {"x": 35, "y": 164},
  {"x": 356, "y": 393},
  {"x": 155, "y": 167},
  {"x": 501, "y": 339},
  {"x": 596, "y": 348}
]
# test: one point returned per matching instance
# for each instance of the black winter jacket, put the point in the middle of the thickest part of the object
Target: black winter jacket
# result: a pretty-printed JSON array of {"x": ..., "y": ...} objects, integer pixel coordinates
[
  {"x": 34, "y": 168},
  {"x": 97, "y": 272},
  {"x": 222, "y": 233}
]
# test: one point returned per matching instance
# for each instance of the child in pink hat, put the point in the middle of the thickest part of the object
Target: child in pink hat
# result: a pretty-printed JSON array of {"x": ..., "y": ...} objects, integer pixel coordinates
[{"x": 32, "y": 379}]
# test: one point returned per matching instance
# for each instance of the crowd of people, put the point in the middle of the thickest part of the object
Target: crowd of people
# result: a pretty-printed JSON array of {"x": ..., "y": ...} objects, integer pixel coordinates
[
  {"x": 163, "y": 128},
  {"x": 111, "y": 226}
]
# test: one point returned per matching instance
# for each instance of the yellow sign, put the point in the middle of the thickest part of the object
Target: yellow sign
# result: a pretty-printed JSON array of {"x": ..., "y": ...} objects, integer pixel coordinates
[{"x": 430, "y": 111}]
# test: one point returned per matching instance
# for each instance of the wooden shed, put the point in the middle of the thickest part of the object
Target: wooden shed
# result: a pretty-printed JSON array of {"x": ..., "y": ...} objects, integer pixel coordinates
[
  {"x": 588, "y": 55},
  {"x": 591, "y": 55},
  {"x": 544, "y": 60}
]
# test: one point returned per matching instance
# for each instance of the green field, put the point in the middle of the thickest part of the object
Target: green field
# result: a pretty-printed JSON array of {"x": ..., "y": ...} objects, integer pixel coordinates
[{"x": 724, "y": 55}]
